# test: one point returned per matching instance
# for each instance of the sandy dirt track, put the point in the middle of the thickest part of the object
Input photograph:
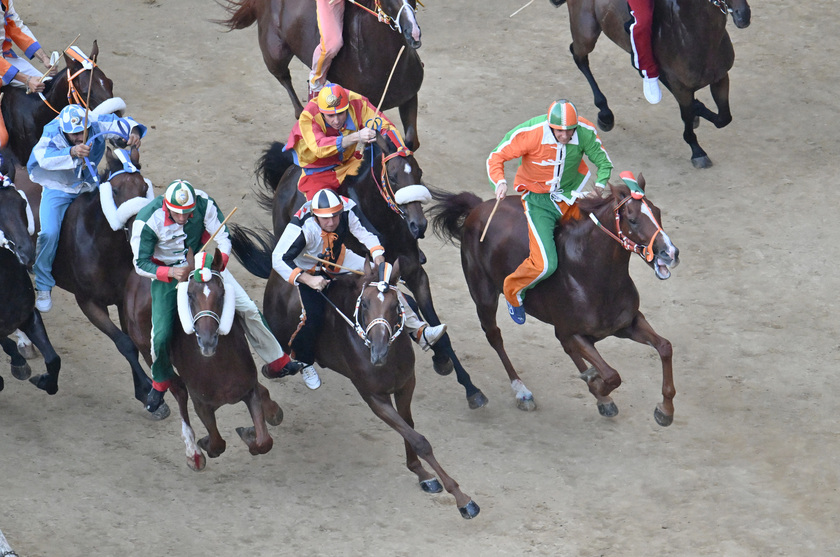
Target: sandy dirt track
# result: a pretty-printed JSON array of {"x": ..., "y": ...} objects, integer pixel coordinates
[{"x": 750, "y": 464}]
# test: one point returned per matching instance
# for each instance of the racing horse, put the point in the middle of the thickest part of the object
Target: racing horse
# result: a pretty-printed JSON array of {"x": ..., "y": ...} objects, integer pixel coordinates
[
  {"x": 211, "y": 354},
  {"x": 690, "y": 43},
  {"x": 588, "y": 298},
  {"x": 289, "y": 28},
  {"x": 17, "y": 296},
  {"x": 370, "y": 351},
  {"x": 94, "y": 259},
  {"x": 26, "y": 115},
  {"x": 390, "y": 191}
]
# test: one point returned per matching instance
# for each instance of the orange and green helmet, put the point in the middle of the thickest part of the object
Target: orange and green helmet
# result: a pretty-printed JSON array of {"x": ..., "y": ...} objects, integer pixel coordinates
[
  {"x": 333, "y": 99},
  {"x": 562, "y": 115}
]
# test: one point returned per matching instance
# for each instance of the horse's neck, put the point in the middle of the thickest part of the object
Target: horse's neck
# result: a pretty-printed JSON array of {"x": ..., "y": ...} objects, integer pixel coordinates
[{"x": 601, "y": 251}]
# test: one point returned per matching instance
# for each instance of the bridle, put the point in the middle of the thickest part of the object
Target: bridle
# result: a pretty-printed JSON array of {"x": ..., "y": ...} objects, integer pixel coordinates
[
  {"x": 392, "y": 22},
  {"x": 645, "y": 251},
  {"x": 383, "y": 185},
  {"x": 73, "y": 94},
  {"x": 206, "y": 312},
  {"x": 722, "y": 6},
  {"x": 363, "y": 332}
]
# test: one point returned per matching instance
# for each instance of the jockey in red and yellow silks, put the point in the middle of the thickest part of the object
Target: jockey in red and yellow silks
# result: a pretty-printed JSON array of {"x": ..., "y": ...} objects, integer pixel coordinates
[
  {"x": 330, "y": 15},
  {"x": 325, "y": 137},
  {"x": 641, "y": 33},
  {"x": 550, "y": 178}
]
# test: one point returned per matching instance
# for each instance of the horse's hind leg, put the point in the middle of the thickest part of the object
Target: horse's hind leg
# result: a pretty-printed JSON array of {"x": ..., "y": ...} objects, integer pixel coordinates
[
  {"x": 35, "y": 330},
  {"x": 20, "y": 368},
  {"x": 408, "y": 116},
  {"x": 257, "y": 438},
  {"x": 585, "y": 33},
  {"x": 417, "y": 445},
  {"x": 642, "y": 332},
  {"x": 195, "y": 458},
  {"x": 213, "y": 444},
  {"x": 25, "y": 346},
  {"x": 277, "y": 56},
  {"x": 601, "y": 380}
]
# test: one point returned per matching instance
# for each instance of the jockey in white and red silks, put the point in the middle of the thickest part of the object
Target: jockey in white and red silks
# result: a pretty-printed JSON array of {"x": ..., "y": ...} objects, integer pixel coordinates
[{"x": 641, "y": 32}]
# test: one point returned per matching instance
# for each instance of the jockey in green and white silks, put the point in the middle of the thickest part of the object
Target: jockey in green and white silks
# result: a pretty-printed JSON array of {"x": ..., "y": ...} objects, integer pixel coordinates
[{"x": 163, "y": 232}]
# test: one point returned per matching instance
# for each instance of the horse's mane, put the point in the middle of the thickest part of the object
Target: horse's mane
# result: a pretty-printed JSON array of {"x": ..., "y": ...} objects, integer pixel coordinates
[{"x": 596, "y": 200}]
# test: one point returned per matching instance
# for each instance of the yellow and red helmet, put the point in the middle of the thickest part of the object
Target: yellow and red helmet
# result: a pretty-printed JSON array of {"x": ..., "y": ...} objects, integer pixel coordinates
[
  {"x": 562, "y": 115},
  {"x": 333, "y": 99}
]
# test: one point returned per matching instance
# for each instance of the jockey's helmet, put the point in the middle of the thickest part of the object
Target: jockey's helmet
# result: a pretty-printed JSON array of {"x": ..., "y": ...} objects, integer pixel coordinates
[
  {"x": 326, "y": 203},
  {"x": 333, "y": 99},
  {"x": 180, "y": 197},
  {"x": 71, "y": 119},
  {"x": 562, "y": 115}
]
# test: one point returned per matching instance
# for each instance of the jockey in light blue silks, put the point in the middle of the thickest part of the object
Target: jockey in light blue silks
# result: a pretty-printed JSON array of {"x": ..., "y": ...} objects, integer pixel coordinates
[{"x": 58, "y": 163}]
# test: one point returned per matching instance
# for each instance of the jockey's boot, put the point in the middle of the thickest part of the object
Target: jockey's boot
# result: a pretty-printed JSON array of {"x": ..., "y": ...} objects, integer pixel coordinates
[
  {"x": 517, "y": 313},
  {"x": 310, "y": 377},
  {"x": 428, "y": 335},
  {"x": 653, "y": 93},
  {"x": 154, "y": 400},
  {"x": 291, "y": 368}
]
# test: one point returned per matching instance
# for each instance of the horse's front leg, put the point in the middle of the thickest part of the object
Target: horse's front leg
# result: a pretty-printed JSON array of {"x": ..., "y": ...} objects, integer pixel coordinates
[
  {"x": 419, "y": 445},
  {"x": 688, "y": 106},
  {"x": 642, "y": 332},
  {"x": 272, "y": 411},
  {"x": 601, "y": 379},
  {"x": 257, "y": 438},
  {"x": 25, "y": 346},
  {"x": 20, "y": 367},
  {"x": 213, "y": 443},
  {"x": 408, "y": 116},
  {"x": 720, "y": 94},
  {"x": 195, "y": 458},
  {"x": 35, "y": 330}
]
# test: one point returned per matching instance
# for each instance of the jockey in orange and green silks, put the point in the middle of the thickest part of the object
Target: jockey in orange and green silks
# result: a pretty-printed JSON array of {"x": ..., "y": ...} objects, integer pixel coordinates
[{"x": 550, "y": 177}]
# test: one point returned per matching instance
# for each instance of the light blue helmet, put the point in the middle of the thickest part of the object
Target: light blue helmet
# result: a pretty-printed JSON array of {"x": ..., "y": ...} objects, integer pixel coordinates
[{"x": 71, "y": 119}]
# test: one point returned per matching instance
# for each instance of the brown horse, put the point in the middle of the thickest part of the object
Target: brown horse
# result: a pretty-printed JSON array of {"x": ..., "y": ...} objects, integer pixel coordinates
[
  {"x": 690, "y": 44},
  {"x": 94, "y": 258},
  {"x": 26, "y": 115},
  {"x": 591, "y": 295},
  {"x": 288, "y": 28},
  {"x": 372, "y": 353},
  {"x": 213, "y": 359},
  {"x": 17, "y": 297},
  {"x": 398, "y": 222}
]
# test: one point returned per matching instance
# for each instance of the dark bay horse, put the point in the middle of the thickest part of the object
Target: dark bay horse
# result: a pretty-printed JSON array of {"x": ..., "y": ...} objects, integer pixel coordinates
[
  {"x": 399, "y": 222},
  {"x": 17, "y": 296},
  {"x": 690, "y": 43},
  {"x": 371, "y": 352},
  {"x": 591, "y": 295},
  {"x": 94, "y": 258},
  {"x": 288, "y": 28},
  {"x": 213, "y": 359},
  {"x": 26, "y": 115}
]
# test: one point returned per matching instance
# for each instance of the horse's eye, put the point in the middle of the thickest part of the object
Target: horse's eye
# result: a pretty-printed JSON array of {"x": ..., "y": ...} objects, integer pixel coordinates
[{"x": 633, "y": 222}]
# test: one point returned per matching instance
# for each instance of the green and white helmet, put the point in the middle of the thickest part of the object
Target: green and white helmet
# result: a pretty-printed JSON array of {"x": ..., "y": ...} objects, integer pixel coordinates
[{"x": 180, "y": 197}]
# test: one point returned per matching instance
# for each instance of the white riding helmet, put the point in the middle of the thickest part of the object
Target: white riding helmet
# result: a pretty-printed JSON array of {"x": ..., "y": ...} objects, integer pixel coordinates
[
  {"x": 71, "y": 119},
  {"x": 325, "y": 203}
]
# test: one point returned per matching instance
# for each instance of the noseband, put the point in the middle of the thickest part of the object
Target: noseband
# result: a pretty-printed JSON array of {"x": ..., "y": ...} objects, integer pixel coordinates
[
  {"x": 645, "y": 251},
  {"x": 382, "y": 286},
  {"x": 722, "y": 6}
]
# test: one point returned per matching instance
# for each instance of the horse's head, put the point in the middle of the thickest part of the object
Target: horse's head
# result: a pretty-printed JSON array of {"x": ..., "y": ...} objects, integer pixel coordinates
[
  {"x": 401, "y": 16},
  {"x": 83, "y": 76},
  {"x": 380, "y": 316},
  {"x": 16, "y": 224},
  {"x": 740, "y": 11},
  {"x": 206, "y": 305},
  {"x": 639, "y": 229},
  {"x": 402, "y": 178},
  {"x": 124, "y": 191}
]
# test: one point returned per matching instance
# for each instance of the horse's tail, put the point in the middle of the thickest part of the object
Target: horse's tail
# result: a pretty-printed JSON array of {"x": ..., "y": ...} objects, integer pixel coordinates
[
  {"x": 270, "y": 168},
  {"x": 243, "y": 13},
  {"x": 252, "y": 249},
  {"x": 449, "y": 213}
]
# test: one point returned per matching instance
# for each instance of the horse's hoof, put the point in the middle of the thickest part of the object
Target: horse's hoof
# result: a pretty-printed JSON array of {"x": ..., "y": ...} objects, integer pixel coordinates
[
  {"x": 608, "y": 410},
  {"x": 662, "y": 418},
  {"x": 589, "y": 375},
  {"x": 45, "y": 383},
  {"x": 527, "y": 404},
  {"x": 702, "y": 162},
  {"x": 247, "y": 434},
  {"x": 197, "y": 462},
  {"x": 470, "y": 510},
  {"x": 431, "y": 486},
  {"x": 478, "y": 400},
  {"x": 204, "y": 443},
  {"x": 161, "y": 413},
  {"x": 28, "y": 351},
  {"x": 276, "y": 419},
  {"x": 606, "y": 121},
  {"x": 444, "y": 367},
  {"x": 21, "y": 372}
]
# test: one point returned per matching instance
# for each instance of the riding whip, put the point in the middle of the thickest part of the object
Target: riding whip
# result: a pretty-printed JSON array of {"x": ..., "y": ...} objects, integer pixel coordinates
[
  {"x": 331, "y": 264},
  {"x": 486, "y": 226},
  {"x": 87, "y": 101},
  {"x": 43, "y": 77},
  {"x": 217, "y": 230}
]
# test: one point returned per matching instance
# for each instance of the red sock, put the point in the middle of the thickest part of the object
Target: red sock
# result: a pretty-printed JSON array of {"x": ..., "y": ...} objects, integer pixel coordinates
[
  {"x": 163, "y": 386},
  {"x": 279, "y": 363}
]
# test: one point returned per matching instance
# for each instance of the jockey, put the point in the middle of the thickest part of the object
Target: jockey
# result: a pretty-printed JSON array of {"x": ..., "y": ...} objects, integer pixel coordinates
[
  {"x": 319, "y": 229},
  {"x": 330, "y": 15},
  {"x": 641, "y": 33},
  {"x": 16, "y": 70},
  {"x": 184, "y": 218},
  {"x": 326, "y": 133},
  {"x": 550, "y": 178},
  {"x": 57, "y": 163}
]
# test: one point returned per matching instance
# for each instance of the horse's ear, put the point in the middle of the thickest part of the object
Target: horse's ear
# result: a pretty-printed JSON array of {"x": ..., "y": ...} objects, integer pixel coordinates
[
  {"x": 217, "y": 261},
  {"x": 395, "y": 272},
  {"x": 94, "y": 52},
  {"x": 111, "y": 160},
  {"x": 134, "y": 155},
  {"x": 641, "y": 181},
  {"x": 368, "y": 270},
  {"x": 72, "y": 64},
  {"x": 190, "y": 259}
]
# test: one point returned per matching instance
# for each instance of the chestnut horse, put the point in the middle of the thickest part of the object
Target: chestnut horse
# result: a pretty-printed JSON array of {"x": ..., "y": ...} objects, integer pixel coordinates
[
  {"x": 690, "y": 44},
  {"x": 591, "y": 295},
  {"x": 17, "y": 296},
  {"x": 398, "y": 221},
  {"x": 288, "y": 28},
  {"x": 213, "y": 360}
]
